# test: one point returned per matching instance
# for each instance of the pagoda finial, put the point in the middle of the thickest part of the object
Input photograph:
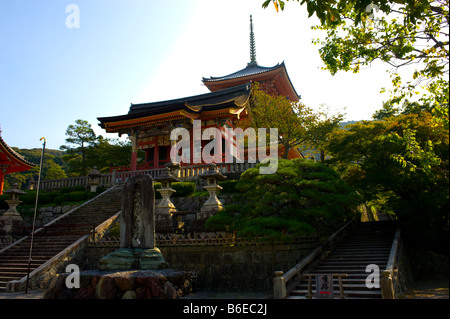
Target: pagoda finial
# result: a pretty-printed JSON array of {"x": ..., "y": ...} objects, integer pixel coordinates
[{"x": 252, "y": 44}]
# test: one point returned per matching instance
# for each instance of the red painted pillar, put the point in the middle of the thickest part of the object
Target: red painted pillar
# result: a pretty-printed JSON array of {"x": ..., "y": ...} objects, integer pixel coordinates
[
  {"x": 2, "y": 177},
  {"x": 156, "y": 152}
]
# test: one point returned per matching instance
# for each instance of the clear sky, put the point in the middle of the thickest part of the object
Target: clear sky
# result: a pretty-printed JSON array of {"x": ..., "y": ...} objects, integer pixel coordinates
[{"x": 137, "y": 51}]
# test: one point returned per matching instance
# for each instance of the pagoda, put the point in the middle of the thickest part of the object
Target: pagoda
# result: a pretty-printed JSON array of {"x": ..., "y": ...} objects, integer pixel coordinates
[
  {"x": 273, "y": 80},
  {"x": 148, "y": 125},
  {"x": 10, "y": 162}
]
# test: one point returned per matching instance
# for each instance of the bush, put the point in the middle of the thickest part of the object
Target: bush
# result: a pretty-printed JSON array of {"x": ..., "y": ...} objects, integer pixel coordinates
[
  {"x": 67, "y": 189},
  {"x": 303, "y": 197},
  {"x": 3, "y": 204},
  {"x": 229, "y": 187},
  {"x": 76, "y": 196},
  {"x": 79, "y": 189},
  {"x": 184, "y": 189},
  {"x": 58, "y": 200}
]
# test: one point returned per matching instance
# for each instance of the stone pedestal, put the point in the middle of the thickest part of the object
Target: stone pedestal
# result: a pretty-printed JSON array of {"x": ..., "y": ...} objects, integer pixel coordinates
[
  {"x": 133, "y": 259},
  {"x": 11, "y": 222},
  {"x": 165, "y": 208},
  {"x": 213, "y": 204}
]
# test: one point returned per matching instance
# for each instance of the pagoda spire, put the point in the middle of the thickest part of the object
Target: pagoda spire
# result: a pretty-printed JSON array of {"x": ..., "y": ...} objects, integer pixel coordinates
[{"x": 252, "y": 44}]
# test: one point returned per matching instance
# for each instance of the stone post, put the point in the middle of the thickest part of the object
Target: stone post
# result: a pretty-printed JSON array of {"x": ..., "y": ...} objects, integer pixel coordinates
[
  {"x": 137, "y": 229},
  {"x": 279, "y": 286}
]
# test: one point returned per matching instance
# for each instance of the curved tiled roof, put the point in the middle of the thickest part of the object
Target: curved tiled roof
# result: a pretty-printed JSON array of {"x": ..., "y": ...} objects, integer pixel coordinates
[
  {"x": 234, "y": 97},
  {"x": 19, "y": 159},
  {"x": 250, "y": 70}
]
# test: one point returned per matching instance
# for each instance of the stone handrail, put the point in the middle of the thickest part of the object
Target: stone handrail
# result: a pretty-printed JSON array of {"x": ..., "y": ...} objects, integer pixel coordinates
[
  {"x": 280, "y": 282},
  {"x": 17, "y": 285},
  {"x": 54, "y": 265},
  {"x": 389, "y": 276}
]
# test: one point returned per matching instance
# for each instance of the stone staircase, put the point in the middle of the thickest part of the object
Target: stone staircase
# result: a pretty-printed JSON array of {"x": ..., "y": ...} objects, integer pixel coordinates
[
  {"x": 368, "y": 243},
  {"x": 57, "y": 236}
]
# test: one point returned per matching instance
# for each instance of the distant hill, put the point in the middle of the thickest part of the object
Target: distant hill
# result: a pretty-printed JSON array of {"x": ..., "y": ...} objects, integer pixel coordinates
[
  {"x": 34, "y": 155},
  {"x": 343, "y": 124}
]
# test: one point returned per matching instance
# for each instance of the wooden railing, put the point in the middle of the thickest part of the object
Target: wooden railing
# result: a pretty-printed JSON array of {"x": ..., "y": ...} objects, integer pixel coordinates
[
  {"x": 390, "y": 276},
  {"x": 281, "y": 285},
  {"x": 107, "y": 180}
]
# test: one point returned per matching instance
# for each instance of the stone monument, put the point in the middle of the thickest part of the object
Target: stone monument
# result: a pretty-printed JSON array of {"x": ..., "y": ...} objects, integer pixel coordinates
[{"x": 137, "y": 230}]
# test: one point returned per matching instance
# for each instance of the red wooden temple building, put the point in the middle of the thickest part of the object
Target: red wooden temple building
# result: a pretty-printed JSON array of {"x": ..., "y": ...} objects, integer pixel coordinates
[
  {"x": 148, "y": 125},
  {"x": 10, "y": 162}
]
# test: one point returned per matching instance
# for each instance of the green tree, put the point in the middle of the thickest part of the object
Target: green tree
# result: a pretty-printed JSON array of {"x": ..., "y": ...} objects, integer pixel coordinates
[
  {"x": 302, "y": 197},
  {"x": 80, "y": 137},
  {"x": 365, "y": 154},
  {"x": 397, "y": 33},
  {"x": 298, "y": 125},
  {"x": 109, "y": 153}
]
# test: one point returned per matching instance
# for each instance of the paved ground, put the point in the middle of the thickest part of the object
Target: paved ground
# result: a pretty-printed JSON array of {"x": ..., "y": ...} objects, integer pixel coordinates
[
  {"x": 428, "y": 290},
  {"x": 420, "y": 290},
  {"x": 32, "y": 294}
]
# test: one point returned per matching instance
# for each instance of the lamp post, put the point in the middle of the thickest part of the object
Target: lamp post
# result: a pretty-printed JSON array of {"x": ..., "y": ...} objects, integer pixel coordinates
[{"x": 34, "y": 216}]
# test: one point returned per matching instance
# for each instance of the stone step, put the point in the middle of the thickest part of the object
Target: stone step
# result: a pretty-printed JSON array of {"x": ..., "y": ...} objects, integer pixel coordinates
[
  {"x": 359, "y": 294},
  {"x": 363, "y": 262},
  {"x": 49, "y": 242}
]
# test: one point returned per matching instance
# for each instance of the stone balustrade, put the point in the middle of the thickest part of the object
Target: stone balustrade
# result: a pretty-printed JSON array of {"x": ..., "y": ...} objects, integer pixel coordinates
[{"x": 106, "y": 180}]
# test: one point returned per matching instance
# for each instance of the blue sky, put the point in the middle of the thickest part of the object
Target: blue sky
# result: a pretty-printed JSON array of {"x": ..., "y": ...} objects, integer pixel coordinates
[{"x": 138, "y": 51}]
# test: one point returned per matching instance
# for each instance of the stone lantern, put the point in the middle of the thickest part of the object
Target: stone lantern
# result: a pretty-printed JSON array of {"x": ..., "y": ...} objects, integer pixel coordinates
[
  {"x": 165, "y": 208},
  {"x": 11, "y": 220},
  {"x": 174, "y": 168},
  {"x": 94, "y": 179},
  {"x": 213, "y": 204}
]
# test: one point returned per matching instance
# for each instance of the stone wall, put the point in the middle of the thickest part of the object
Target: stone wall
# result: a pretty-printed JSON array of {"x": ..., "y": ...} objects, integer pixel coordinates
[
  {"x": 44, "y": 214},
  {"x": 225, "y": 268},
  {"x": 137, "y": 284}
]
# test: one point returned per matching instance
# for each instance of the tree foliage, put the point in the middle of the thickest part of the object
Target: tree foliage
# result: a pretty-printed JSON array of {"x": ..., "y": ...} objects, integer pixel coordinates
[
  {"x": 417, "y": 192},
  {"x": 84, "y": 150},
  {"x": 302, "y": 197},
  {"x": 80, "y": 137},
  {"x": 83, "y": 143},
  {"x": 298, "y": 125}
]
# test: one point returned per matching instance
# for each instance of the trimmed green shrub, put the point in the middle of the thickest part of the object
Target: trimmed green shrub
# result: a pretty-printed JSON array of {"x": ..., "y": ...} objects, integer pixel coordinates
[
  {"x": 67, "y": 189},
  {"x": 229, "y": 187},
  {"x": 184, "y": 189},
  {"x": 79, "y": 188},
  {"x": 58, "y": 200},
  {"x": 303, "y": 197},
  {"x": 76, "y": 196}
]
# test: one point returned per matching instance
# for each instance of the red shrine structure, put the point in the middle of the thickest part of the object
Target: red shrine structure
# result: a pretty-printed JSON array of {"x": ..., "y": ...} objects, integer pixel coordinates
[
  {"x": 10, "y": 162},
  {"x": 148, "y": 125}
]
